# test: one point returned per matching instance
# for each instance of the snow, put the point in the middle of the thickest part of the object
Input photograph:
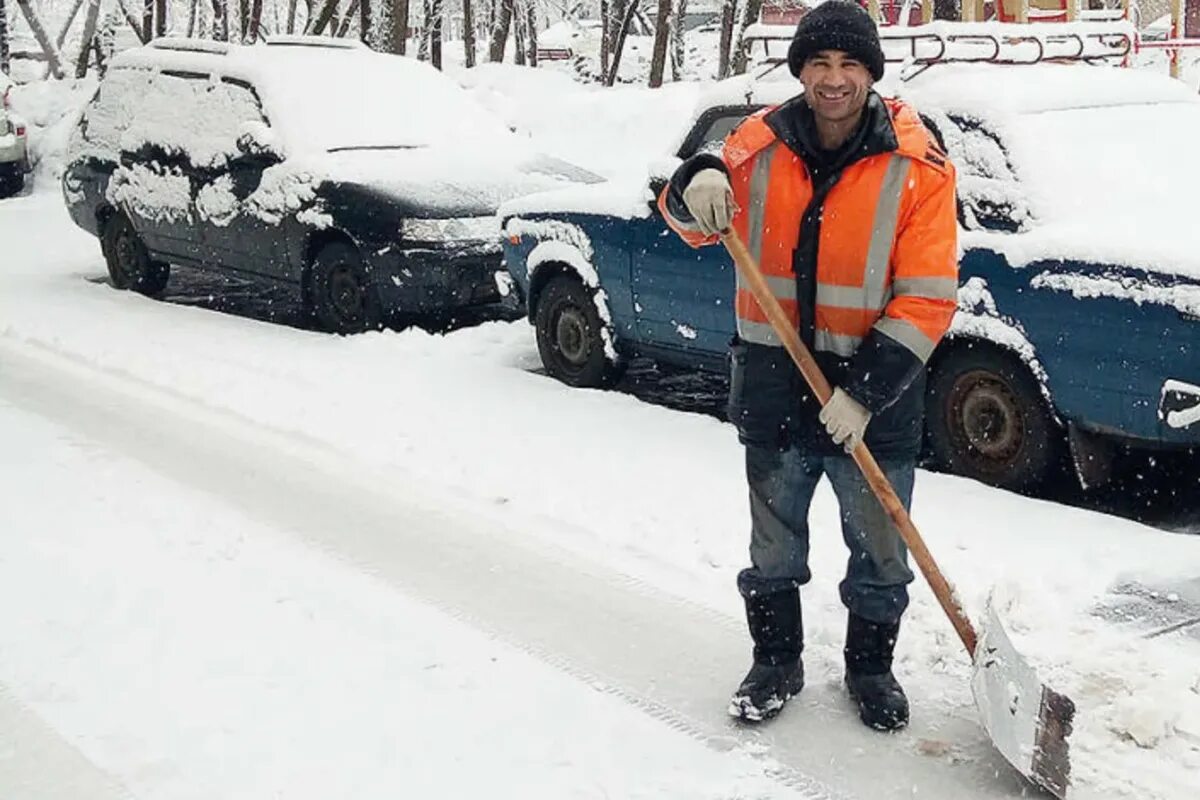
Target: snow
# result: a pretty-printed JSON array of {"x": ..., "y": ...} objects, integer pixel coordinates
[
  {"x": 1183, "y": 297},
  {"x": 246, "y": 560}
]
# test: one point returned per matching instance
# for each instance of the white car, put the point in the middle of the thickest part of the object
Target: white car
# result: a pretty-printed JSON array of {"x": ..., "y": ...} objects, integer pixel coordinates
[{"x": 14, "y": 151}]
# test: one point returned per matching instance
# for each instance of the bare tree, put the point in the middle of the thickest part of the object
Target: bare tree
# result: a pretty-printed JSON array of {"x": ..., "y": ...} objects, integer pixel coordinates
[
  {"x": 619, "y": 44},
  {"x": 753, "y": 9},
  {"x": 193, "y": 15},
  {"x": 160, "y": 17},
  {"x": 220, "y": 20},
  {"x": 518, "y": 37},
  {"x": 504, "y": 15},
  {"x": 328, "y": 12},
  {"x": 435, "y": 41},
  {"x": 658, "y": 60},
  {"x": 4, "y": 52},
  {"x": 255, "y": 25},
  {"x": 468, "y": 33},
  {"x": 291, "y": 17},
  {"x": 678, "y": 49},
  {"x": 340, "y": 29},
  {"x": 43, "y": 39},
  {"x": 62, "y": 34},
  {"x": 531, "y": 32},
  {"x": 399, "y": 26},
  {"x": 728, "y": 14},
  {"x": 87, "y": 40},
  {"x": 147, "y": 20},
  {"x": 364, "y": 24}
]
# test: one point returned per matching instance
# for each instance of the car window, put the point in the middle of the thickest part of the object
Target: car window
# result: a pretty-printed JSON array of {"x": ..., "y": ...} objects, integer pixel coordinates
[
  {"x": 711, "y": 129},
  {"x": 116, "y": 104},
  {"x": 990, "y": 194}
]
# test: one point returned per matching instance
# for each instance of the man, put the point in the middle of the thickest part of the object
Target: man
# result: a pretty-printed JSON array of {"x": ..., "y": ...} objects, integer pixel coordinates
[{"x": 847, "y": 203}]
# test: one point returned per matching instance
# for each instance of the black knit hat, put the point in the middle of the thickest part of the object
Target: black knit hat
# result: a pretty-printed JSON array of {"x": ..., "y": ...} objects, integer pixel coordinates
[{"x": 837, "y": 25}]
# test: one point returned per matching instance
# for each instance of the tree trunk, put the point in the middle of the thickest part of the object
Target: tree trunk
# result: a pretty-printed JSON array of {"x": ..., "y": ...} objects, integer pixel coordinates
[
  {"x": 325, "y": 17},
  {"x": 678, "y": 45},
  {"x": 728, "y": 15},
  {"x": 500, "y": 31},
  {"x": 531, "y": 34},
  {"x": 5, "y": 56},
  {"x": 605, "y": 39},
  {"x": 5, "y": 53},
  {"x": 658, "y": 61},
  {"x": 740, "y": 60},
  {"x": 343, "y": 27},
  {"x": 87, "y": 38},
  {"x": 435, "y": 41},
  {"x": 364, "y": 25},
  {"x": 291, "y": 17},
  {"x": 256, "y": 9},
  {"x": 62, "y": 34},
  {"x": 43, "y": 39},
  {"x": 147, "y": 20},
  {"x": 399, "y": 26},
  {"x": 619, "y": 44},
  {"x": 468, "y": 34},
  {"x": 518, "y": 38},
  {"x": 160, "y": 18},
  {"x": 220, "y": 21},
  {"x": 193, "y": 14}
]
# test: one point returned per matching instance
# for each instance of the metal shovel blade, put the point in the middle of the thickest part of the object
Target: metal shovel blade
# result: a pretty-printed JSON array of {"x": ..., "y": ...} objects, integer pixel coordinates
[{"x": 1027, "y": 721}]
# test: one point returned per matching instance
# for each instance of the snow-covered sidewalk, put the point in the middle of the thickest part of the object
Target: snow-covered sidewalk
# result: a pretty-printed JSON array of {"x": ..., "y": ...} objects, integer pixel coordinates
[{"x": 150, "y": 618}]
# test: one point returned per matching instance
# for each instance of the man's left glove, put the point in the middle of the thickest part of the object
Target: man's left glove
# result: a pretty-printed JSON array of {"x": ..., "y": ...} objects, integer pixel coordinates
[{"x": 846, "y": 420}]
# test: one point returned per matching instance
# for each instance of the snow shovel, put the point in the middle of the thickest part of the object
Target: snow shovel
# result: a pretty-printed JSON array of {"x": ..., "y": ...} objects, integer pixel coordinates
[{"x": 1027, "y": 721}]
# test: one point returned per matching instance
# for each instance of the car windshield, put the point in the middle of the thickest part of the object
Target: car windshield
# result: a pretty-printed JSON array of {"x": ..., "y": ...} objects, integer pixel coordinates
[{"x": 323, "y": 100}]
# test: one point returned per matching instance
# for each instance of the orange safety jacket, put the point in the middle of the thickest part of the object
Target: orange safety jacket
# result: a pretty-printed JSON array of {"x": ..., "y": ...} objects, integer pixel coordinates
[{"x": 887, "y": 251}]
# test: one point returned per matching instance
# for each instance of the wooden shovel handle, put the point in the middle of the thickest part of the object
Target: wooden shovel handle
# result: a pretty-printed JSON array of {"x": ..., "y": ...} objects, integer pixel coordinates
[{"x": 880, "y": 485}]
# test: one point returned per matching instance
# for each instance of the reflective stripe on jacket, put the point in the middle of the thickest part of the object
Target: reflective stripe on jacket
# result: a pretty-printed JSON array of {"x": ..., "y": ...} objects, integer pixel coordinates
[{"x": 887, "y": 247}]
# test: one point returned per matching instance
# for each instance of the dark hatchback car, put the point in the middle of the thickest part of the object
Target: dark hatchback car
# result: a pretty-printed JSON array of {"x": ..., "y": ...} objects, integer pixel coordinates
[{"x": 284, "y": 162}]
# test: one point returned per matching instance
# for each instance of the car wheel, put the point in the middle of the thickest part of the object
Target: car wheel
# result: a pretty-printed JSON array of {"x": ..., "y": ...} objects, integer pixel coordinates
[
  {"x": 344, "y": 299},
  {"x": 129, "y": 263},
  {"x": 570, "y": 335},
  {"x": 986, "y": 419}
]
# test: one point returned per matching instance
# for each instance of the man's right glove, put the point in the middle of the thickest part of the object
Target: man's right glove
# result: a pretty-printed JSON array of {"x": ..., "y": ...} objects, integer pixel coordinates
[{"x": 709, "y": 197}]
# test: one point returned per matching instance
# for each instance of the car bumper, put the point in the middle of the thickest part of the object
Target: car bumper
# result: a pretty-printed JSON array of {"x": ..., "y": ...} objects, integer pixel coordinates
[
  {"x": 14, "y": 156},
  {"x": 1179, "y": 410},
  {"x": 431, "y": 280}
]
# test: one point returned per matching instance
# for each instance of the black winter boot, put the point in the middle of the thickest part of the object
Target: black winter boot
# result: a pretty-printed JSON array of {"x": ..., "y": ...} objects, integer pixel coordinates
[
  {"x": 881, "y": 702},
  {"x": 777, "y": 673}
]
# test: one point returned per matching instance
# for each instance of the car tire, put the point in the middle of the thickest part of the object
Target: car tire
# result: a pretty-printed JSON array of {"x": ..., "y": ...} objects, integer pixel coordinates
[
  {"x": 344, "y": 298},
  {"x": 570, "y": 335},
  {"x": 129, "y": 263},
  {"x": 986, "y": 418}
]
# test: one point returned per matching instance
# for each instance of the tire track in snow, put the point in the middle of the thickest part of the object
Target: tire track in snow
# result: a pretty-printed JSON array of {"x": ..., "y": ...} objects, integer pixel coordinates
[{"x": 673, "y": 659}]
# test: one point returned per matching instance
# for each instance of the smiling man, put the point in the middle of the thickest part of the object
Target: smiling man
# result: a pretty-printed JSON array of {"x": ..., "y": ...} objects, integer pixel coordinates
[{"x": 847, "y": 203}]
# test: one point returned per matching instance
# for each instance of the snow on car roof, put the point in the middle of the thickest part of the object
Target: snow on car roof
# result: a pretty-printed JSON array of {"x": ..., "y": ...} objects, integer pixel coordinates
[
  {"x": 322, "y": 97},
  {"x": 1028, "y": 89}
]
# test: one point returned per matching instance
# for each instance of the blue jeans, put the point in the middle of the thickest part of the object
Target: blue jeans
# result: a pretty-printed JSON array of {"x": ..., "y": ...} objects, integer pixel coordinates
[{"x": 782, "y": 484}]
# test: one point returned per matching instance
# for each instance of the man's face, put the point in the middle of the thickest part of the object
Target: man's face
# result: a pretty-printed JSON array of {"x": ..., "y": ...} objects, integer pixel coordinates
[{"x": 835, "y": 85}]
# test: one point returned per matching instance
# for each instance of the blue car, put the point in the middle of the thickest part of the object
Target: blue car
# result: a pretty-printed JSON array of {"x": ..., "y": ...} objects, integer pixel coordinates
[{"x": 1078, "y": 329}]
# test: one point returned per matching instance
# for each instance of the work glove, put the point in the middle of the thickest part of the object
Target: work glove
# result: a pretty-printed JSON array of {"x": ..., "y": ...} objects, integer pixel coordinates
[
  {"x": 709, "y": 197},
  {"x": 846, "y": 420}
]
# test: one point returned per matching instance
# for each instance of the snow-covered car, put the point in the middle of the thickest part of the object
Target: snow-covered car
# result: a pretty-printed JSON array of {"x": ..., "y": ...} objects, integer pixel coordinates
[
  {"x": 1079, "y": 300},
  {"x": 369, "y": 182},
  {"x": 14, "y": 147}
]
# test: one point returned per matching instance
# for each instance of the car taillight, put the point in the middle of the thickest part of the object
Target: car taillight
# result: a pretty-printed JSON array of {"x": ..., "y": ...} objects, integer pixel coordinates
[{"x": 20, "y": 130}]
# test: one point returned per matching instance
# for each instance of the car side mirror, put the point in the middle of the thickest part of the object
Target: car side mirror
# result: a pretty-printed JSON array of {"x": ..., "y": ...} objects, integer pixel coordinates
[
  {"x": 257, "y": 142},
  {"x": 656, "y": 186}
]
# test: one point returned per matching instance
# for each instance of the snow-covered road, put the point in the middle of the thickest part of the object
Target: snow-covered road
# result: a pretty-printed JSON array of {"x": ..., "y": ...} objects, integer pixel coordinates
[{"x": 245, "y": 560}]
